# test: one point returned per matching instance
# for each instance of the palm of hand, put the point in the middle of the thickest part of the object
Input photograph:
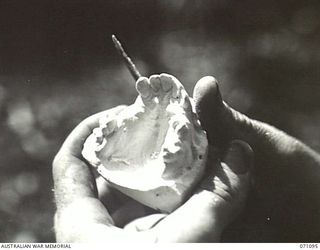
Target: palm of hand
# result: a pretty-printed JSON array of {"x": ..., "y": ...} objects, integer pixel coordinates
[{"x": 224, "y": 187}]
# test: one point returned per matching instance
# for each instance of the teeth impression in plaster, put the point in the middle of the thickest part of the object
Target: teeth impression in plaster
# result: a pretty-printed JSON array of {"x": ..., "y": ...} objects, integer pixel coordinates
[{"x": 155, "y": 149}]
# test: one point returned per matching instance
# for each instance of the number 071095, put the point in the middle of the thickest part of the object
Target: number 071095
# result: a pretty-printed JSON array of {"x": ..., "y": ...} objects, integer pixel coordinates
[{"x": 310, "y": 245}]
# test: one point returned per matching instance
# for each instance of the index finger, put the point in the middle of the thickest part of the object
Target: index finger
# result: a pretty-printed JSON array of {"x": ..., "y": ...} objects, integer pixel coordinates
[{"x": 74, "y": 142}]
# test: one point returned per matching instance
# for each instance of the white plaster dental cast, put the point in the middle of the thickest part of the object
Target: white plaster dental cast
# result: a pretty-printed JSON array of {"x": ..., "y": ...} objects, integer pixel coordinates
[{"x": 155, "y": 149}]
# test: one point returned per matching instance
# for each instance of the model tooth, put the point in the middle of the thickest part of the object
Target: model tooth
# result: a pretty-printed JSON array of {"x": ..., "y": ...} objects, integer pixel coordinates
[
  {"x": 143, "y": 87},
  {"x": 111, "y": 125},
  {"x": 166, "y": 82},
  {"x": 98, "y": 134},
  {"x": 100, "y": 146},
  {"x": 186, "y": 104},
  {"x": 176, "y": 91},
  {"x": 155, "y": 82}
]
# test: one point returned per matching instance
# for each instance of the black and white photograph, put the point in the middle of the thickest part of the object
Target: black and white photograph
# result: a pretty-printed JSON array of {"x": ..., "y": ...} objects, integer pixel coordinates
[{"x": 159, "y": 121}]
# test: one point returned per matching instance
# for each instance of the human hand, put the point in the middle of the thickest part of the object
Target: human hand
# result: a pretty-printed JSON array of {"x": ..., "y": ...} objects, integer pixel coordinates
[
  {"x": 82, "y": 217},
  {"x": 284, "y": 204}
]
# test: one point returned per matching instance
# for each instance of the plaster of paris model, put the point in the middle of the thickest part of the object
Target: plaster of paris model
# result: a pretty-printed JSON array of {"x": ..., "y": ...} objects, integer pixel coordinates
[{"x": 155, "y": 149}]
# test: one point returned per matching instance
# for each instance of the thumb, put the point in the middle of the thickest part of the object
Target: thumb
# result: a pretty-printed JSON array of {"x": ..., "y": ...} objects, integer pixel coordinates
[
  {"x": 213, "y": 114},
  {"x": 224, "y": 124}
]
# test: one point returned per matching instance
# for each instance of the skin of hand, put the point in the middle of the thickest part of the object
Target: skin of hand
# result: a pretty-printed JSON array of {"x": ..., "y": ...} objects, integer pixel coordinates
[
  {"x": 84, "y": 215},
  {"x": 284, "y": 205}
]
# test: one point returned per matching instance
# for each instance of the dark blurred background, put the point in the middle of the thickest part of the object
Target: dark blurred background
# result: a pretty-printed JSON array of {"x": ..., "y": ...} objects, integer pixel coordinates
[{"x": 58, "y": 65}]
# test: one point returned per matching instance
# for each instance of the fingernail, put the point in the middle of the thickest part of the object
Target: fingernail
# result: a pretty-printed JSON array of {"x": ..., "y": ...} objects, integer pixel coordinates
[{"x": 239, "y": 157}]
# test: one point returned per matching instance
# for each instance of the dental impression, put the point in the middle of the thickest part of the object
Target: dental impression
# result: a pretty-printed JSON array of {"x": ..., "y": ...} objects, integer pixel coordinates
[{"x": 155, "y": 149}]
